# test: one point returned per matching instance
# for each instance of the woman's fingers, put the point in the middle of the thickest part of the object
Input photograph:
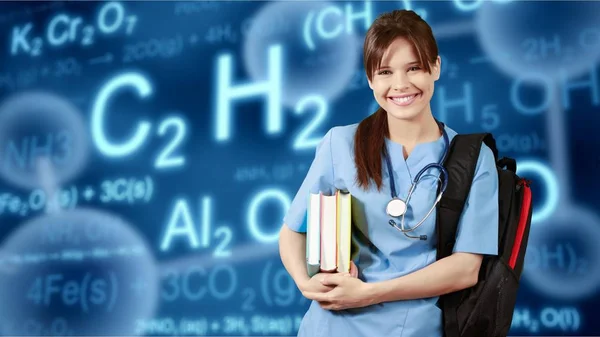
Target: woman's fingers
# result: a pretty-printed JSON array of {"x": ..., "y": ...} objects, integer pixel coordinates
[{"x": 353, "y": 269}]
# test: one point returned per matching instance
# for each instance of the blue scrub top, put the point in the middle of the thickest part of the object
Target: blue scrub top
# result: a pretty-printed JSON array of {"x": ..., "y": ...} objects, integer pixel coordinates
[{"x": 384, "y": 252}]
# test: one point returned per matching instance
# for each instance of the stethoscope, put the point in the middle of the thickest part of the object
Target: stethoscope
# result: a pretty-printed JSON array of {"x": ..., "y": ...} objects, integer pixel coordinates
[{"x": 397, "y": 207}]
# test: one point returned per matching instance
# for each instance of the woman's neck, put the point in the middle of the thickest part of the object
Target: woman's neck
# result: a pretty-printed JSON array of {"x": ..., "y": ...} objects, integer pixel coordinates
[{"x": 412, "y": 132}]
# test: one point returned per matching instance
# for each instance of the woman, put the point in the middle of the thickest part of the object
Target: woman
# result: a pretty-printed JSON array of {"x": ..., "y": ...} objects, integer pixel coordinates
[{"x": 399, "y": 280}]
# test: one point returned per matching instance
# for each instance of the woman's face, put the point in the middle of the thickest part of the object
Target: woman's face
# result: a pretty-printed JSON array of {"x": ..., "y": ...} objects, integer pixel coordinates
[{"x": 401, "y": 86}]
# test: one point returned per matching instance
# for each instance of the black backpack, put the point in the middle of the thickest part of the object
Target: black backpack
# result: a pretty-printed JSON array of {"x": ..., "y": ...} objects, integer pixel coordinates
[{"x": 485, "y": 309}]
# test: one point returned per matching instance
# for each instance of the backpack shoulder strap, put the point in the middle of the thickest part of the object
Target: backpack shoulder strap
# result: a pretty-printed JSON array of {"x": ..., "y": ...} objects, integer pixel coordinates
[{"x": 460, "y": 163}]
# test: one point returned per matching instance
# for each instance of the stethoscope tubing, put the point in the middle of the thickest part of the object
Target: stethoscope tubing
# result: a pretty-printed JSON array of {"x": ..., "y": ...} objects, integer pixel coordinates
[{"x": 443, "y": 180}]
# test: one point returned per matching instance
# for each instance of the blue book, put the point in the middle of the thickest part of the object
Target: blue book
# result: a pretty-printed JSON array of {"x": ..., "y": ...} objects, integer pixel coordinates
[{"x": 313, "y": 234}]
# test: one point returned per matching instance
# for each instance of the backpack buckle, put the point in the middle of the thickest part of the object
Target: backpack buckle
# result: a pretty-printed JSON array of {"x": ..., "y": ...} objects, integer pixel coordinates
[{"x": 525, "y": 182}]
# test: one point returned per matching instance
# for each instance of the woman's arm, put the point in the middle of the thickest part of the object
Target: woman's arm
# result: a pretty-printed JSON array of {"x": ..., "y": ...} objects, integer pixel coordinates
[
  {"x": 455, "y": 272},
  {"x": 292, "y": 249}
]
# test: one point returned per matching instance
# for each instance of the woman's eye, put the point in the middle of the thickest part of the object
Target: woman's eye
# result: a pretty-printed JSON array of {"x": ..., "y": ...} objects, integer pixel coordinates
[
  {"x": 415, "y": 68},
  {"x": 384, "y": 72}
]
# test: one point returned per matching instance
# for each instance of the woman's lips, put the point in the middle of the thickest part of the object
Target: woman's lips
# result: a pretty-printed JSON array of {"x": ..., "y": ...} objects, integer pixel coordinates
[{"x": 404, "y": 103}]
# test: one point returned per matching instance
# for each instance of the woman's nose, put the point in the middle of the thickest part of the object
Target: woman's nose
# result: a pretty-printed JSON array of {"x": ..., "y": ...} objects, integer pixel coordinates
[{"x": 400, "y": 81}]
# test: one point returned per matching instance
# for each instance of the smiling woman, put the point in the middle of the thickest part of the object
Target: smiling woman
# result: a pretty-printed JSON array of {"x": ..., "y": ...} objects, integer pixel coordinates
[
  {"x": 402, "y": 64},
  {"x": 403, "y": 89},
  {"x": 396, "y": 279}
]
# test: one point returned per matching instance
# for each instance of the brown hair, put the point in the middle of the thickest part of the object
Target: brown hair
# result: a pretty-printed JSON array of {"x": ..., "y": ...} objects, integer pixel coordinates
[{"x": 369, "y": 140}]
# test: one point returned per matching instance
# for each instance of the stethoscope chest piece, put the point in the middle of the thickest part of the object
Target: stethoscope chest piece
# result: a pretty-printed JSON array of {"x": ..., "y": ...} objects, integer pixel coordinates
[{"x": 396, "y": 207}]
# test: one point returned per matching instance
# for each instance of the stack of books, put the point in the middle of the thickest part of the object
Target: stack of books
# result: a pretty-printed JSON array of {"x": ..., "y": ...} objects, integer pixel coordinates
[{"x": 328, "y": 233}]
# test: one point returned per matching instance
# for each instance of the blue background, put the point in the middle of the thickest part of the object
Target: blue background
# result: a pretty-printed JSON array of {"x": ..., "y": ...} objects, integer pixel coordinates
[{"x": 175, "y": 231}]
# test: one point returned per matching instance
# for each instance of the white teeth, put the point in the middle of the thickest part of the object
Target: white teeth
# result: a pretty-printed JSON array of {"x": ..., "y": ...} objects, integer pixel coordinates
[{"x": 403, "y": 99}]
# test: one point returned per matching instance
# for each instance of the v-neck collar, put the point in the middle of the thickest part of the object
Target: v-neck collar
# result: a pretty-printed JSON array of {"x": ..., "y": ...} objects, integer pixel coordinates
[{"x": 421, "y": 155}]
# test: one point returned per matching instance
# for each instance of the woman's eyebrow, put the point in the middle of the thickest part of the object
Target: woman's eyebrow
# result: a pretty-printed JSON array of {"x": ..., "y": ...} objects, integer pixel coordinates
[{"x": 407, "y": 64}]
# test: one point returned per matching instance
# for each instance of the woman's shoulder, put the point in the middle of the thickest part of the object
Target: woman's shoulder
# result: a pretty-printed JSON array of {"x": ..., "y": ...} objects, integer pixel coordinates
[
  {"x": 450, "y": 132},
  {"x": 339, "y": 142},
  {"x": 343, "y": 135},
  {"x": 486, "y": 155}
]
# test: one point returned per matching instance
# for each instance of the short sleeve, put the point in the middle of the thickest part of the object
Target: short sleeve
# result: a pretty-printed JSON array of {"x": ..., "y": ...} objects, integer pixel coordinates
[
  {"x": 318, "y": 179},
  {"x": 478, "y": 226}
]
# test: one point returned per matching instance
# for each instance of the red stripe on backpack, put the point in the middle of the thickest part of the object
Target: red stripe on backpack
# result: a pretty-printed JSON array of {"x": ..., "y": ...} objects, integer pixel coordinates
[{"x": 525, "y": 209}]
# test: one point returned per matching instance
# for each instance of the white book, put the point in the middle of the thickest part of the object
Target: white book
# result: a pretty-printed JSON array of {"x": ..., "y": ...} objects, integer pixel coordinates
[{"x": 329, "y": 233}]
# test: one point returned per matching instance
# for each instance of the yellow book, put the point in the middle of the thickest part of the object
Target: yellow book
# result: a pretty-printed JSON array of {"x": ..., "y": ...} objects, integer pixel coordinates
[{"x": 344, "y": 231}]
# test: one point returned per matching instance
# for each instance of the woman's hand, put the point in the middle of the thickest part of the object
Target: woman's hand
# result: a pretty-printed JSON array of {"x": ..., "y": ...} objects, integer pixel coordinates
[
  {"x": 347, "y": 291},
  {"x": 315, "y": 284}
]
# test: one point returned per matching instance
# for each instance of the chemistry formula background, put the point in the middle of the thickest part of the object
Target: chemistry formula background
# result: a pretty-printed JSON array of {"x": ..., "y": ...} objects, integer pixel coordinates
[{"x": 149, "y": 150}]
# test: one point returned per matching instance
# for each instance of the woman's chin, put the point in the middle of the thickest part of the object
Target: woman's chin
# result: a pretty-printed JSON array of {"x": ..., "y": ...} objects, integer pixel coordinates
[{"x": 403, "y": 114}]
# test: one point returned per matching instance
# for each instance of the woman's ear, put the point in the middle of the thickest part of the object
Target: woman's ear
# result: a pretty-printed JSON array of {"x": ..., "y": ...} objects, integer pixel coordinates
[
  {"x": 369, "y": 81},
  {"x": 437, "y": 68}
]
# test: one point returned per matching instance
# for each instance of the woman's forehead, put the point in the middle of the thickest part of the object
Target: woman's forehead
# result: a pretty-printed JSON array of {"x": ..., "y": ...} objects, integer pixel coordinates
[{"x": 399, "y": 52}]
